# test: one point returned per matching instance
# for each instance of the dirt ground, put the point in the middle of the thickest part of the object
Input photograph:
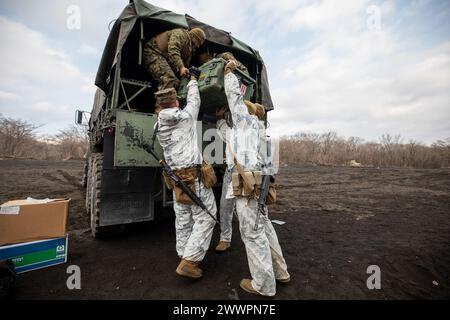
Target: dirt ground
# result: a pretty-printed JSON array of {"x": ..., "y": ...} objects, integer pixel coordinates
[{"x": 338, "y": 220}]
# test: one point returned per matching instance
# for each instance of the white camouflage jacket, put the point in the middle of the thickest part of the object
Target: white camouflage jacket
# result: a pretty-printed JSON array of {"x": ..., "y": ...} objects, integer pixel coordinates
[
  {"x": 266, "y": 150},
  {"x": 177, "y": 132},
  {"x": 243, "y": 139}
]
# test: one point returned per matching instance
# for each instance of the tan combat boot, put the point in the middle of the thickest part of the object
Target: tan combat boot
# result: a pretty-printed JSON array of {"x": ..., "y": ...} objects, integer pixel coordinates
[
  {"x": 189, "y": 269},
  {"x": 246, "y": 285},
  {"x": 223, "y": 246},
  {"x": 284, "y": 281}
]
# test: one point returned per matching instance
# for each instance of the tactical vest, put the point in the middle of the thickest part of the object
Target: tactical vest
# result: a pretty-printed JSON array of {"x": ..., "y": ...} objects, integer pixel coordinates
[{"x": 162, "y": 42}]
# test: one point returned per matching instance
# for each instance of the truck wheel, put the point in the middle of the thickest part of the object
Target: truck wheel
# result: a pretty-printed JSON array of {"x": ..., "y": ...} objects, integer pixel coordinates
[
  {"x": 83, "y": 182},
  {"x": 89, "y": 185},
  {"x": 95, "y": 182}
]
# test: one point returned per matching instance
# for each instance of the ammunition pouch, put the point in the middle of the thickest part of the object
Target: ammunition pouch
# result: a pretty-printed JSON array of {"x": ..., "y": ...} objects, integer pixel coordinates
[
  {"x": 248, "y": 184},
  {"x": 170, "y": 184},
  {"x": 189, "y": 177},
  {"x": 208, "y": 175},
  {"x": 271, "y": 195}
]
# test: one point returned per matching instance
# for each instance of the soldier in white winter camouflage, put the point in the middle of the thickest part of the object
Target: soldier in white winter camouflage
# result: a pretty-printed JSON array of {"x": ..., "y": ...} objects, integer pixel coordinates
[
  {"x": 177, "y": 136},
  {"x": 264, "y": 254}
]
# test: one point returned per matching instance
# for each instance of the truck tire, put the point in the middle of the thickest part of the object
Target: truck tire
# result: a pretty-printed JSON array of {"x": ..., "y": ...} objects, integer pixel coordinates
[
  {"x": 94, "y": 192},
  {"x": 88, "y": 185}
]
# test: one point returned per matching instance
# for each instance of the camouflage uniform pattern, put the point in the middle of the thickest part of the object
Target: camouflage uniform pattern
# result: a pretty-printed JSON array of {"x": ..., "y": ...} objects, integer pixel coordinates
[
  {"x": 178, "y": 138},
  {"x": 177, "y": 132},
  {"x": 161, "y": 64},
  {"x": 227, "y": 205},
  {"x": 265, "y": 258},
  {"x": 193, "y": 226},
  {"x": 156, "y": 64},
  {"x": 226, "y": 209},
  {"x": 243, "y": 138},
  {"x": 179, "y": 48},
  {"x": 264, "y": 254},
  {"x": 270, "y": 165}
]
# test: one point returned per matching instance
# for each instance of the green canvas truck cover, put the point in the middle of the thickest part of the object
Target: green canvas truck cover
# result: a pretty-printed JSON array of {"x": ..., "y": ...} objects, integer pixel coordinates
[{"x": 139, "y": 10}]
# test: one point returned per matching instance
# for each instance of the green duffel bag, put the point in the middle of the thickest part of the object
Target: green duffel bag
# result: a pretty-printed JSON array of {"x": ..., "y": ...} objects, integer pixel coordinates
[{"x": 211, "y": 86}]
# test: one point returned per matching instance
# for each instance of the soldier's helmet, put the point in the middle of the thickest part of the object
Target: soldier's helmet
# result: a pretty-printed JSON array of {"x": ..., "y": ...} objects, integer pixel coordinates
[{"x": 197, "y": 36}]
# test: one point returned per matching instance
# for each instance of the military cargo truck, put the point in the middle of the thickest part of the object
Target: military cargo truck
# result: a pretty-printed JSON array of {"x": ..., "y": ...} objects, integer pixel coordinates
[{"x": 124, "y": 183}]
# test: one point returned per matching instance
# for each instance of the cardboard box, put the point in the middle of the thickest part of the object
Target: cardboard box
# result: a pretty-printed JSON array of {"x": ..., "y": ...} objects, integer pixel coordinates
[
  {"x": 31, "y": 220},
  {"x": 36, "y": 254}
]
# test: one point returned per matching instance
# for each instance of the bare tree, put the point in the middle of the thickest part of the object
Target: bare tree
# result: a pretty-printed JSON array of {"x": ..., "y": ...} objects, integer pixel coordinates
[
  {"x": 442, "y": 147},
  {"x": 15, "y": 136},
  {"x": 72, "y": 142},
  {"x": 330, "y": 149}
]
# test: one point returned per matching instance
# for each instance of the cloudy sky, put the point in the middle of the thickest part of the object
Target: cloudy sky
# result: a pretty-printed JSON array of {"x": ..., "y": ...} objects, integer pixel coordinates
[{"x": 360, "y": 68}]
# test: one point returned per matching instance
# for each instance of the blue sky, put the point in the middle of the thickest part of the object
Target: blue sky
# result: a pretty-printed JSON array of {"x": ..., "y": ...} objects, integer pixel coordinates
[{"x": 360, "y": 68}]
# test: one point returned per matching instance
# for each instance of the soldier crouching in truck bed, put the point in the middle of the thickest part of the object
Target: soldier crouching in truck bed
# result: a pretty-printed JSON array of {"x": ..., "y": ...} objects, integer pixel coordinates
[
  {"x": 171, "y": 51},
  {"x": 177, "y": 135}
]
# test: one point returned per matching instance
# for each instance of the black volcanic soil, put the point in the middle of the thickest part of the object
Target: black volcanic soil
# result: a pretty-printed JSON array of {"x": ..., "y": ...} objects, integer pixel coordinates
[{"x": 338, "y": 220}]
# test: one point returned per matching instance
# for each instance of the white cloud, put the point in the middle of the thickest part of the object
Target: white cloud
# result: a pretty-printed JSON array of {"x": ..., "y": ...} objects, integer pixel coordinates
[
  {"x": 367, "y": 94},
  {"x": 27, "y": 54},
  {"x": 8, "y": 96},
  {"x": 41, "y": 106},
  {"x": 44, "y": 77},
  {"x": 327, "y": 70},
  {"x": 415, "y": 6},
  {"x": 326, "y": 13},
  {"x": 88, "y": 50},
  {"x": 361, "y": 83}
]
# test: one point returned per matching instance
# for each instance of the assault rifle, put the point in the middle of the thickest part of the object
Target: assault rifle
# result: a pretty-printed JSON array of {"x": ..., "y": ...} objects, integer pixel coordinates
[
  {"x": 266, "y": 180},
  {"x": 172, "y": 175}
]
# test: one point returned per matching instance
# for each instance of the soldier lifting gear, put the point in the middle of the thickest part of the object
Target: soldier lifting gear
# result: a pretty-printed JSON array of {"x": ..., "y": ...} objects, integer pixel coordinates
[
  {"x": 170, "y": 52},
  {"x": 227, "y": 205},
  {"x": 264, "y": 254},
  {"x": 177, "y": 136}
]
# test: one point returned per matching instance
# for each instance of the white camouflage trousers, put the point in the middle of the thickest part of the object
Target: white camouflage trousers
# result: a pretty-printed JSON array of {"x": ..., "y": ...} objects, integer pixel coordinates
[
  {"x": 226, "y": 210},
  {"x": 193, "y": 226},
  {"x": 265, "y": 258}
]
